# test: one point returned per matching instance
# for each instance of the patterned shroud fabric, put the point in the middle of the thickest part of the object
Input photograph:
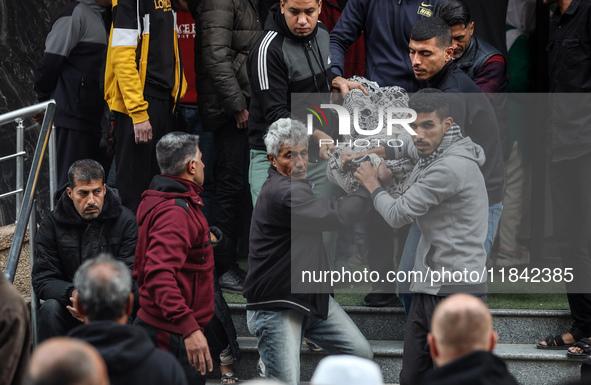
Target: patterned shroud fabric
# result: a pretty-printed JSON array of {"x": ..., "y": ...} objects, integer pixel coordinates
[{"x": 369, "y": 111}]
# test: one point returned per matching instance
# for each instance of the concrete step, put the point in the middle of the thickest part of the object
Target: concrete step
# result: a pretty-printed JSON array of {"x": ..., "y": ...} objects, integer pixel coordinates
[
  {"x": 387, "y": 323},
  {"x": 529, "y": 365}
]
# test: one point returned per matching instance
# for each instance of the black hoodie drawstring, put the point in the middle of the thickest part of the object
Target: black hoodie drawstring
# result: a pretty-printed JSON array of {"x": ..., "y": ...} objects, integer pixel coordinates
[
  {"x": 309, "y": 46},
  {"x": 318, "y": 61},
  {"x": 321, "y": 64}
]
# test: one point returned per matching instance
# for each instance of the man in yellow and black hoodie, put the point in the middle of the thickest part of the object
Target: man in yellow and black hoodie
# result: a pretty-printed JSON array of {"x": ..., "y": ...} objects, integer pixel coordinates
[{"x": 143, "y": 81}]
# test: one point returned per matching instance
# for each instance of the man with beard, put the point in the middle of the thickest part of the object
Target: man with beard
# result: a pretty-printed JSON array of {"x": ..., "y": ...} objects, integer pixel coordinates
[{"x": 88, "y": 219}]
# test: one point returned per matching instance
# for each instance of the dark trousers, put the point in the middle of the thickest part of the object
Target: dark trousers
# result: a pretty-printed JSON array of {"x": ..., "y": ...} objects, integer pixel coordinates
[
  {"x": 54, "y": 320},
  {"x": 570, "y": 183},
  {"x": 416, "y": 360},
  {"x": 136, "y": 163},
  {"x": 231, "y": 179},
  {"x": 73, "y": 145},
  {"x": 379, "y": 238},
  {"x": 175, "y": 344}
]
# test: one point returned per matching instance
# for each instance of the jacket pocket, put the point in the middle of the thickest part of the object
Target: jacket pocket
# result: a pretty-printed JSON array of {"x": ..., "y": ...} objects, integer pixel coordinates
[{"x": 571, "y": 52}]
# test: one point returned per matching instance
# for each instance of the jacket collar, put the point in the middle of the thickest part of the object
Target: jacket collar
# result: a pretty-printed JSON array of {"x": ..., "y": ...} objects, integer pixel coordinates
[
  {"x": 274, "y": 173},
  {"x": 65, "y": 211},
  {"x": 468, "y": 57},
  {"x": 437, "y": 79},
  {"x": 572, "y": 7}
]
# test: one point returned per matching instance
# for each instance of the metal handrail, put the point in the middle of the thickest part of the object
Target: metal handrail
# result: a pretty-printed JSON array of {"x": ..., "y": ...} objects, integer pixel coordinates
[
  {"x": 34, "y": 299},
  {"x": 27, "y": 200}
]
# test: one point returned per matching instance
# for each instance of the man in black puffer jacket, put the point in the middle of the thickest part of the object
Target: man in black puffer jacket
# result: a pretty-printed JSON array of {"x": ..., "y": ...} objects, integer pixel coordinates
[
  {"x": 88, "y": 220},
  {"x": 225, "y": 32}
]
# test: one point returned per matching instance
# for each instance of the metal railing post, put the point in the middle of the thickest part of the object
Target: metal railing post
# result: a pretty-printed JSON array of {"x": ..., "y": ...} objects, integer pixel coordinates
[
  {"x": 42, "y": 143},
  {"x": 20, "y": 163},
  {"x": 52, "y": 169},
  {"x": 34, "y": 300}
]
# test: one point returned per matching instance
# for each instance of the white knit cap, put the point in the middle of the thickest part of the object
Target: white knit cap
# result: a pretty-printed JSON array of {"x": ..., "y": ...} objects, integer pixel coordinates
[{"x": 350, "y": 370}]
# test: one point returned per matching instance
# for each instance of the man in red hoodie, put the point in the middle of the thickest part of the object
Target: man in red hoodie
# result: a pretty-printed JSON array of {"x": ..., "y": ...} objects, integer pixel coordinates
[{"x": 174, "y": 257}]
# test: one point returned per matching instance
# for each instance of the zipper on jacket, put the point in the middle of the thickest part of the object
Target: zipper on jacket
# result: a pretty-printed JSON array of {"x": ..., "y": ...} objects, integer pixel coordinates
[{"x": 80, "y": 89}]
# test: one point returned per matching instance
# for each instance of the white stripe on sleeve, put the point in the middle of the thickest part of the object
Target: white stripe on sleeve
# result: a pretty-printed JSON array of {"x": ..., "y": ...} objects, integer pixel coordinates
[{"x": 262, "y": 61}]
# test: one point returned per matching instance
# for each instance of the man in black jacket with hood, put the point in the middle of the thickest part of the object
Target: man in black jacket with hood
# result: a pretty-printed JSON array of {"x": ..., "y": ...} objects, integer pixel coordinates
[
  {"x": 105, "y": 301},
  {"x": 88, "y": 219},
  {"x": 292, "y": 56},
  {"x": 461, "y": 342}
]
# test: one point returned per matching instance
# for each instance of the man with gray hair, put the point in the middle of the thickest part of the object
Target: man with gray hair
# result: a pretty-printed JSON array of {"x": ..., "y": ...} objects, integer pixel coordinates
[
  {"x": 105, "y": 301},
  {"x": 88, "y": 219},
  {"x": 174, "y": 257},
  {"x": 286, "y": 238}
]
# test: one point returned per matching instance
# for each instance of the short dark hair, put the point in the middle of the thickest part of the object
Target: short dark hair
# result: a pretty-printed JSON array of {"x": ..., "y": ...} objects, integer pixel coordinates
[
  {"x": 432, "y": 27},
  {"x": 454, "y": 12},
  {"x": 428, "y": 100},
  {"x": 175, "y": 150},
  {"x": 85, "y": 170},
  {"x": 103, "y": 296}
]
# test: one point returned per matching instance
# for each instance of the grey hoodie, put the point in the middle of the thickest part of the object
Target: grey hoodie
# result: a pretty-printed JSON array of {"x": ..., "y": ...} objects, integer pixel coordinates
[{"x": 449, "y": 202}]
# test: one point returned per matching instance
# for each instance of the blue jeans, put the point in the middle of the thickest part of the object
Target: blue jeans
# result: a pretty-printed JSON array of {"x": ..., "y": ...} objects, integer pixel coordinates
[
  {"x": 494, "y": 215},
  {"x": 280, "y": 333},
  {"x": 412, "y": 243}
]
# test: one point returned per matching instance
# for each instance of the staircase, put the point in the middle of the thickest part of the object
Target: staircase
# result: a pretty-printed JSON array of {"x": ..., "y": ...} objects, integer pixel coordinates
[{"x": 519, "y": 331}]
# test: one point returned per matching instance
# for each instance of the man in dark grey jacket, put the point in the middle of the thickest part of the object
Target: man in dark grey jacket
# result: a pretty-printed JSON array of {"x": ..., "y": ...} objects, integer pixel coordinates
[
  {"x": 70, "y": 72},
  {"x": 88, "y": 219},
  {"x": 448, "y": 200}
]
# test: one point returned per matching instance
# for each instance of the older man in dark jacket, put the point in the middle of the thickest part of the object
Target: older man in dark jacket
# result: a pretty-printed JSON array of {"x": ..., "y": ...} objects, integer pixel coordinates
[
  {"x": 285, "y": 243},
  {"x": 88, "y": 219}
]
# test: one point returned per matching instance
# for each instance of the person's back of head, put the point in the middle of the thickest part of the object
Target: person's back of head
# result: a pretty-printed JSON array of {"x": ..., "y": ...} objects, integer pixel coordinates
[
  {"x": 66, "y": 361},
  {"x": 461, "y": 324},
  {"x": 175, "y": 150},
  {"x": 341, "y": 369},
  {"x": 104, "y": 287},
  {"x": 432, "y": 27},
  {"x": 178, "y": 155}
]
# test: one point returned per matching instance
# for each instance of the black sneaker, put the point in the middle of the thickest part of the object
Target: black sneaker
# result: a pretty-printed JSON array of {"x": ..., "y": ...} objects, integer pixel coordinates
[
  {"x": 232, "y": 281},
  {"x": 379, "y": 299}
]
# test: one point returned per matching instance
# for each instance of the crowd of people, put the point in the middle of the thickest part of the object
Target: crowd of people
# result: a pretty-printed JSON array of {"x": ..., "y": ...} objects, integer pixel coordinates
[{"x": 216, "y": 160}]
